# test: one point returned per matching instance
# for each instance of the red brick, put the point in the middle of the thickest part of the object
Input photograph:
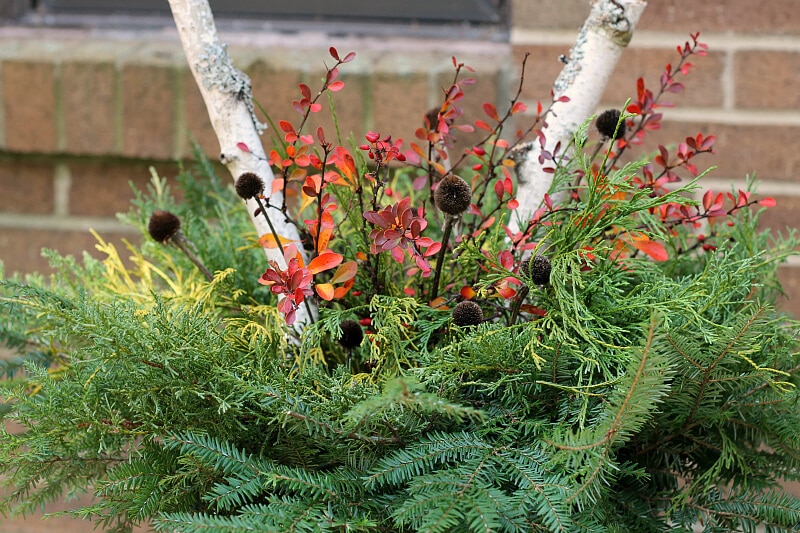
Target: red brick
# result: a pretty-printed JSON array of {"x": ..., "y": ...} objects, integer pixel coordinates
[
  {"x": 348, "y": 104},
  {"x": 198, "y": 125},
  {"x": 541, "y": 70},
  {"x": 784, "y": 215},
  {"x": 102, "y": 189},
  {"x": 484, "y": 90},
  {"x": 20, "y": 249},
  {"x": 148, "y": 111},
  {"x": 88, "y": 106},
  {"x": 703, "y": 85},
  {"x": 29, "y": 103},
  {"x": 275, "y": 89},
  {"x": 743, "y": 16},
  {"x": 767, "y": 79},
  {"x": 25, "y": 186},
  {"x": 740, "y": 149},
  {"x": 790, "y": 280},
  {"x": 399, "y": 103},
  {"x": 549, "y": 14}
]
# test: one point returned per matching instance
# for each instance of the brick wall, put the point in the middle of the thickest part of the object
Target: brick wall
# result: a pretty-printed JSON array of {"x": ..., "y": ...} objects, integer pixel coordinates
[{"x": 86, "y": 111}]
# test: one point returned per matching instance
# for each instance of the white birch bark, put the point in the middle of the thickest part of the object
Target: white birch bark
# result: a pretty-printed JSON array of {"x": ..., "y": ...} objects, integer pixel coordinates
[
  {"x": 227, "y": 95},
  {"x": 600, "y": 43}
]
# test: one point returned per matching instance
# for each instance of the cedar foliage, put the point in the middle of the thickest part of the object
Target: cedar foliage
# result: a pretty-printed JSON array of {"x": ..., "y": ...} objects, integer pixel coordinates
[{"x": 651, "y": 396}]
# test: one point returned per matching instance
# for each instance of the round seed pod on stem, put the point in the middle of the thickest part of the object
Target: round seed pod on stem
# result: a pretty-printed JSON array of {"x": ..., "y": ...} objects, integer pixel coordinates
[
  {"x": 165, "y": 227},
  {"x": 250, "y": 185},
  {"x": 467, "y": 313},
  {"x": 452, "y": 197}
]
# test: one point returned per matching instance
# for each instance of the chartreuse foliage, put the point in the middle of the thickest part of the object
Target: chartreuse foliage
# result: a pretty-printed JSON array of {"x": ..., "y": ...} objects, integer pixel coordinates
[{"x": 631, "y": 395}]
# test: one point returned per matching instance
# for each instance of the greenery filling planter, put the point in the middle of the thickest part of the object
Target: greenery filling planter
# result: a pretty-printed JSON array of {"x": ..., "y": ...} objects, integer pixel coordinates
[{"x": 614, "y": 362}]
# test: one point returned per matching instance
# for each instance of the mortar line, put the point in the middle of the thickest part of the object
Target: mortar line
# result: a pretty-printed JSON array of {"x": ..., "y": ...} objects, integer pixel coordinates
[
  {"x": 2, "y": 109},
  {"x": 765, "y": 187},
  {"x": 728, "y": 81},
  {"x": 658, "y": 39},
  {"x": 737, "y": 117},
  {"x": 62, "y": 181},
  {"x": 63, "y": 223}
]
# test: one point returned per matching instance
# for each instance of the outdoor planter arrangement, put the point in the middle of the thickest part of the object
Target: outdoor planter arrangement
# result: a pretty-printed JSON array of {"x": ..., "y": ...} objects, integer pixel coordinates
[{"x": 430, "y": 354}]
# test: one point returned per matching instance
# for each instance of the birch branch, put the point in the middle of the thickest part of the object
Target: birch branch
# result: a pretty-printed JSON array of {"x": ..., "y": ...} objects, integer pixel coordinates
[
  {"x": 227, "y": 95},
  {"x": 603, "y": 37}
]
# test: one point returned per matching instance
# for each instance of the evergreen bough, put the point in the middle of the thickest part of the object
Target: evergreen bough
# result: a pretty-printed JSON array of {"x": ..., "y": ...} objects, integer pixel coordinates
[{"x": 641, "y": 396}]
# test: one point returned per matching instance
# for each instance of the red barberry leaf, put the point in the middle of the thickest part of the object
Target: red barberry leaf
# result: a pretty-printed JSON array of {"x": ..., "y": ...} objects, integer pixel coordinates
[
  {"x": 518, "y": 107},
  {"x": 767, "y": 202},
  {"x": 336, "y": 86},
  {"x": 654, "y": 249},
  {"x": 243, "y": 147},
  {"x": 498, "y": 189},
  {"x": 325, "y": 291},
  {"x": 324, "y": 261},
  {"x": 491, "y": 111},
  {"x": 345, "y": 272}
]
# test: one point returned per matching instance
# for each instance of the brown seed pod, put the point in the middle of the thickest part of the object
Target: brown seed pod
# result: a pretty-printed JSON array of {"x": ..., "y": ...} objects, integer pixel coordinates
[
  {"x": 467, "y": 313},
  {"x": 249, "y": 185},
  {"x": 352, "y": 334},
  {"x": 606, "y": 124},
  {"x": 538, "y": 268},
  {"x": 163, "y": 225},
  {"x": 453, "y": 195}
]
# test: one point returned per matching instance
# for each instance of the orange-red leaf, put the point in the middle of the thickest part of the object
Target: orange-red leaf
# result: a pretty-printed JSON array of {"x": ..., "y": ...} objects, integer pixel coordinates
[
  {"x": 324, "y": 238},
  {"x": 324, "y": 261},
  {"x": 268, "y": 241},
  {"x": 767, "y": 202},
  {"x": 438, "y": 303},
  {"x": 336, "y": 86},
  {"x": 341, "y": 292},
  {"x": 468, "y": 292},
  {"x": 325, "y": 291},
  {"x": 654, "y": 249},
  {"x": 346, "y": 271}
]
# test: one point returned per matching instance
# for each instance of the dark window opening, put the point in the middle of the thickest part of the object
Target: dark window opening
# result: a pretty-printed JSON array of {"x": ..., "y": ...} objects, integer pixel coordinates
[{"x": 469, "y": 15}]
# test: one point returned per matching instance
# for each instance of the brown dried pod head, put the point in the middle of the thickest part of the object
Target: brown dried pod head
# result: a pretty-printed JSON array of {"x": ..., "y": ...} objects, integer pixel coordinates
[
  {"x": 163, "y": 225},
  {"x": 249, "y": 185},
  {"x": 453, "y": 195},
  {"x": 607, "y": 124},
  {"x": 538, "y": 268},
  {"x": 352, "y": 334},
  {"x": 467, "y": 313}
]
